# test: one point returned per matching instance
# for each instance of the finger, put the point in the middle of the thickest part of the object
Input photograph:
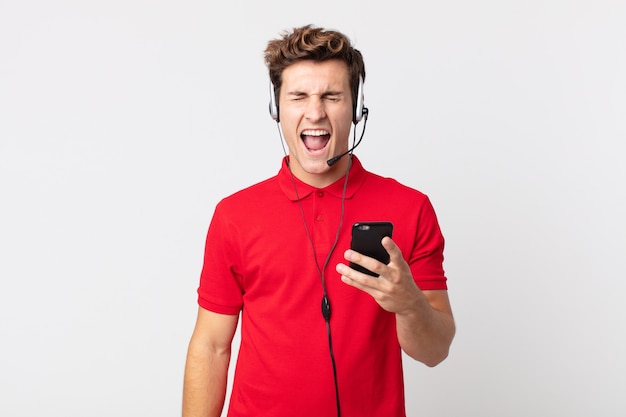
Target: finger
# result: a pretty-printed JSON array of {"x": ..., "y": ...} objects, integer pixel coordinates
[
  {"x": 395, "y": 254},
  {"x": 357, "y": 279},
  {"x": 365, "y": 261}
]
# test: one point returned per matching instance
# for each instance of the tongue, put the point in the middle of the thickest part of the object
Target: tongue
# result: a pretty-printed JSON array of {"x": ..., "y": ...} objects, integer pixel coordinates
[{"x": 315, "y": 143}]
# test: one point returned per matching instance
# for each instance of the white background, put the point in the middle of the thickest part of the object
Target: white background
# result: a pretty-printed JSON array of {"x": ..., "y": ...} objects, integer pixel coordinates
[{"x": 122, "y": 124}]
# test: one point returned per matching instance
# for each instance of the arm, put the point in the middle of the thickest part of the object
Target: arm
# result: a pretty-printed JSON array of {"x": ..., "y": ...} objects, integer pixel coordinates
[
  {"x": 424, "y": 321},
  {"x": 425, "y": 332},
  {"x": 206, "y": 370}
]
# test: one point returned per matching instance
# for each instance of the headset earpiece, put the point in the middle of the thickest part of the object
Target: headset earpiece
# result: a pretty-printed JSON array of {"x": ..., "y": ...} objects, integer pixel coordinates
[
  {"x": 273, "y": 104},
  {"x": 359, "y": 106}
]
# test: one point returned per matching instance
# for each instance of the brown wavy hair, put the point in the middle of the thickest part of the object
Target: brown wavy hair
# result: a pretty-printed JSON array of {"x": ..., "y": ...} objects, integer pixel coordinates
[{"x": 316, "y": 44}]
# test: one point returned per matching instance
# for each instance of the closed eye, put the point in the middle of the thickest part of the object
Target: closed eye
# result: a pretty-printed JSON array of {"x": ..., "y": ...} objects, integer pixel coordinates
[
  {"x": 332, "y": 96},
  {"x": 298, "y": 97}
]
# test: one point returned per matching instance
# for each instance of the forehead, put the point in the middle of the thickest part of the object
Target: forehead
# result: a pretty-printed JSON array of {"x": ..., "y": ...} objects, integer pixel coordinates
[{"x": 312, "y": 76}]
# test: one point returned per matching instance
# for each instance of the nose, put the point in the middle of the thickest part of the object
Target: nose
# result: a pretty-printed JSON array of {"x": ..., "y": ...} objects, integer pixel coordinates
[{"x": 315, "y": 109}]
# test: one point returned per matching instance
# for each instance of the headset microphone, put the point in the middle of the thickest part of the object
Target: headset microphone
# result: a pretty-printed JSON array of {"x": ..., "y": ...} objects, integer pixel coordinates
[{"x": 332, "y": 161}]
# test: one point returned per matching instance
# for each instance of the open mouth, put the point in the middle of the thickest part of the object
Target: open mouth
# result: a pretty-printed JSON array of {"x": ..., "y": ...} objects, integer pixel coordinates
[{"x": 315, "y": 140}]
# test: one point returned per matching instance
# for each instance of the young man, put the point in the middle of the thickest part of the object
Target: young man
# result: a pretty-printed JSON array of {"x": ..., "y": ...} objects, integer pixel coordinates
[{"x": 318, "y": 338}]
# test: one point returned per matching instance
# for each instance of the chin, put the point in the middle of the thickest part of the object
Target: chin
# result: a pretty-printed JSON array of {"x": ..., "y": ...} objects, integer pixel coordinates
[{"x": 318, "y": 167}]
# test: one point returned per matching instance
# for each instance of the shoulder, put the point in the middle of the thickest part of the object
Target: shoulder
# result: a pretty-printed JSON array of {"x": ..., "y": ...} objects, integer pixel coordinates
[
  {"x": 392, "y": 188},
  {"x": 255, "y": 193},
  {"x": 246, "y": 206}
]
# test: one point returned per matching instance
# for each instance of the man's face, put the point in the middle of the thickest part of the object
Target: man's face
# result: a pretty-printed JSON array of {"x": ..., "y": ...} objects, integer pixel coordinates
[{"x": 316, "y": 116}]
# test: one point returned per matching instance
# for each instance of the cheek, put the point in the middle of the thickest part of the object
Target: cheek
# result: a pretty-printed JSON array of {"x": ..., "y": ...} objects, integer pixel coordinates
[
  {"x": 288, "y": 124},
  {"x": 344, "y": 121},
  {"x": 343, "y": 131},
  {"x": 290, "y": 120},
  {"x": 290, "y": 134}
]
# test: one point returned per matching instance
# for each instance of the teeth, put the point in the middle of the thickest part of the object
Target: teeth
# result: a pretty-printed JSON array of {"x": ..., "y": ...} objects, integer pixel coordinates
[{"x": 315, "y": 133}]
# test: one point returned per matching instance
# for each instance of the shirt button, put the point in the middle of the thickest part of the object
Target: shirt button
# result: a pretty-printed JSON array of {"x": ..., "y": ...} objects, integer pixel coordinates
[
  {"x": 320, "y": 194},
  {"x": 320, "y": 218}
]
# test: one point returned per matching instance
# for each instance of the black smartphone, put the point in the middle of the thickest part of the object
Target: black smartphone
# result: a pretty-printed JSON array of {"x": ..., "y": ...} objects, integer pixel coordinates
[{"x": 366, "y": 239}]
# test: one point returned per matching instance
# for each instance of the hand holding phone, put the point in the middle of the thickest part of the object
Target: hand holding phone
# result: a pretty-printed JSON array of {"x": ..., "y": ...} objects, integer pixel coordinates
[{"x": 367, "y": 240}]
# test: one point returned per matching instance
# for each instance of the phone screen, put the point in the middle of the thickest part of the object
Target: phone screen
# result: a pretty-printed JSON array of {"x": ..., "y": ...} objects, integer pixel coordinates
[{"x": 366, "y": 239}]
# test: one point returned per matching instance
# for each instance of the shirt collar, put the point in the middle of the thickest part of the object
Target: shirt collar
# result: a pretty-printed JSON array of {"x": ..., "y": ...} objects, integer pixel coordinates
[{"x": 286, "y": 180}]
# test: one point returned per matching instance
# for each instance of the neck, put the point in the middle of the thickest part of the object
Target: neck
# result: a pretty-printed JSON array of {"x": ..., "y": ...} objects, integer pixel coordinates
[{"x": 327, "y": 176}]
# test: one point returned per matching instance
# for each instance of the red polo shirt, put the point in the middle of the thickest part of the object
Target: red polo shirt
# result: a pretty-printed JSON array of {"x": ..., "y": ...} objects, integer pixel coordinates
[{"x": 259, "y": 262}]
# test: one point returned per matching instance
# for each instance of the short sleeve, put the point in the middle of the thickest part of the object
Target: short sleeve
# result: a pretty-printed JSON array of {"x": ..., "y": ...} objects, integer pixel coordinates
[
  {"x": 220, "y": 287},
  {"x": 426, "y": 259}
]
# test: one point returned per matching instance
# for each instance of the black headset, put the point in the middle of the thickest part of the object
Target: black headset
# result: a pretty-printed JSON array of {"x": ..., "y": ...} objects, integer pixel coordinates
[{"x": 357, "y": 111}]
